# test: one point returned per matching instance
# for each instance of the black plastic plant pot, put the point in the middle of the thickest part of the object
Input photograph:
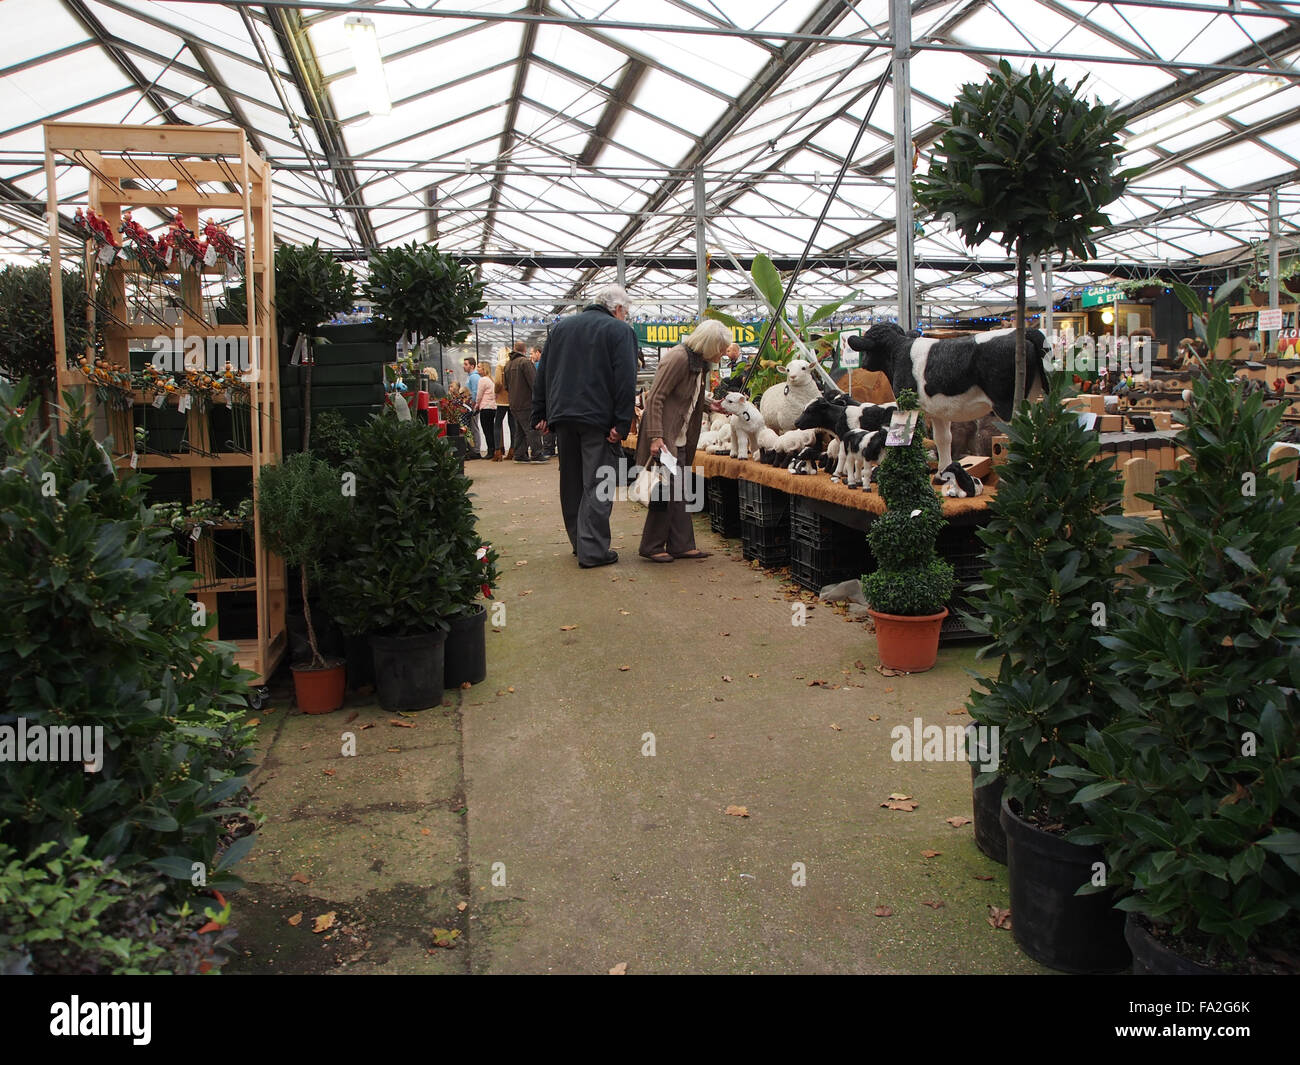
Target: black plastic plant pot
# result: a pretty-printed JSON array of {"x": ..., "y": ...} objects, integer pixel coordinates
[
  {"x": 409, "y": 670},
  {"x": 465, "y": 655},
  {"x": 1153, "y": 958},
  {"x": 1053, "y": 925},
  {"x": 987, "y": 801}
]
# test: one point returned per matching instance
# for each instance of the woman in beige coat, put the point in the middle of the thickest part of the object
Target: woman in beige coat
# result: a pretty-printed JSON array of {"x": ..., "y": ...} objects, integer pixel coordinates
[{"x": 671, "y": 422}]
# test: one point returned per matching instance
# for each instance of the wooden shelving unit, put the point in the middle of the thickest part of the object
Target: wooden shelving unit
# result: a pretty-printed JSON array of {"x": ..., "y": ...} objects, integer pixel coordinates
[{"x": 169, "y": 169}]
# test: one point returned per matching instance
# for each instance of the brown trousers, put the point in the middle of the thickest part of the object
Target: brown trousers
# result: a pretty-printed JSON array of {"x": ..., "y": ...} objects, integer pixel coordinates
[{"x": 668, "y": 528}]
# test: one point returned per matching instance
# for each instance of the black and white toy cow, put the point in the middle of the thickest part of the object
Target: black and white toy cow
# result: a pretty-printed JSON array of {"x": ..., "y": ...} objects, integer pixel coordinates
[
  {"x": 957, "y": 379},
  {"x": 854, "y": 426},
  {"x": 958, "y": 483}
]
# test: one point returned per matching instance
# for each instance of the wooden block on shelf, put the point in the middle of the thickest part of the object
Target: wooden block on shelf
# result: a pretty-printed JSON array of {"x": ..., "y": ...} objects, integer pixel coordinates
[
  {"x": 1288, "y": 470},
  {"x": 977, "y": 465},
  {"x": 1000, "y": 452},
  {"x": 1139, "y": 477},
  {"x": 1167, "y": 457},
  {"x": 1110, "y": 423},
  {"x": 1163, "y": 419}
]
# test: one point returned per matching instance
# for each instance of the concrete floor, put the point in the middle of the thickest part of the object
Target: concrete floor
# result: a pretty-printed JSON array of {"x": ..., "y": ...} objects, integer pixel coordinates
[{"x": 533, "y": 799}]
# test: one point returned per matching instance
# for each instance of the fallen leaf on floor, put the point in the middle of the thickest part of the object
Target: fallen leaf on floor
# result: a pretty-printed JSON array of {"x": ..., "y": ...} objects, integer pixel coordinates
[
  {"x": 567, "y": 628},
  {"x": 713, "y": 735},
  {"x": 304, "y": 746},
  {"x": 328, "y": 772},
  {"x": 836, "y": 727},
  {"x": 445, "y": 937},
  {"x": 999, "y": 918},
  {"x": 738, "y": 811},
  {"x": 465, "y": 685},
  {"x": 958, "y": 712},
  {"x": 368, "y": 724},
  {"x": 726, "y": 679},
  {"x": 983, "y": 878},
  {"x": 801, "y": 676},
  {"x": 425, "y": 831},
  {"x": 462, "y": 906},
  {"x": 402, "y": 724},
  {"x": 873, "y": 717},
  {"x": 300, "y": 878},
  {"x": 858, "y": 665},
  {"x": 632, "y": 579},
  {"x": 957, "y": 821},
  {"x": 754, "y": 676},
  {"x": 724, "y": 633},
  {"x": 718, "y": 699},
  {"x": 624, "y": 669},
  {"x": 889, "y": 689},
  {"x": 626, "y": 613},
  {"x": 898, "y": 795},
  {"x": 394, "y": 750},
  {"x": 296, "y": 919},
  {"x": 252, "y": 721},
  {"x": 891, "y": 672},
  {"x": 323, "y": 923},
  {"x": 906, "y": 805},
  {"x": 931, "y": 854},
  {"x": 933, "y": 904},
  {"x": 817, "y": 684},
  {"x": 522, "y": 562},
  {"x": 619, "y": 970},
  {"x": 883, "y": 911},
  {"x": 407, "y": 713},
  {"x": 526, "y": 591},
  {"x": 511, "y": 690},
  {"x": 351, "y": 717}
]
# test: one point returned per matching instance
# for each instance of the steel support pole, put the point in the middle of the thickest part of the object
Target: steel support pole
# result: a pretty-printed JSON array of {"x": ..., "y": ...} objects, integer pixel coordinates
[
  {"x": 701, "y": 256},
  {"x": 1274, "y": 224},
  {"x": 620, "y": 269},
  {"x": 900, "y": 30}
]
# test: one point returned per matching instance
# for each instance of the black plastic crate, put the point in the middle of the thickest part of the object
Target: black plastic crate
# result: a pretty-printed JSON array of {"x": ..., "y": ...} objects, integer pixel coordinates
[
  {"x": 814, "y": 567},
  {"x": 761, "y": 505},
  {"x": 724, "y": 507},
  {"x": 812, "y": 527},
  {"x": 770, "y": 544}
]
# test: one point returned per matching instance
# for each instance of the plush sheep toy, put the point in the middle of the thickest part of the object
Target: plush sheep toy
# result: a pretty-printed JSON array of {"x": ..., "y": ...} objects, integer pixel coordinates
[
  {"x": 748, "y": 431},
  {"x": 958, "y": 484},
  {"x": 782, "y": 404}
]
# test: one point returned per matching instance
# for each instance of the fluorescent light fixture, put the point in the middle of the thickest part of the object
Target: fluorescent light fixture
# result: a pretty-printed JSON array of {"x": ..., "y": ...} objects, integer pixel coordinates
[
  {"x": 1207, "y": 112},
  {"x": 369, "y": 64}
]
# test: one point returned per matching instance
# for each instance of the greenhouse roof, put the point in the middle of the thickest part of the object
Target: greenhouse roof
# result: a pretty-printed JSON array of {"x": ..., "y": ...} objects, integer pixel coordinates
[{"x": 546, "y": 138}]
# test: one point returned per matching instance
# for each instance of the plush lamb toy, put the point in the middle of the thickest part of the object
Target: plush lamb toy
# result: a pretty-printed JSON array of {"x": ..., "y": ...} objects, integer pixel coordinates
[
  {"x": 782, "y": 404},
  {"x": 748, "y": 431},
  {"x": 715, "y": 436}
]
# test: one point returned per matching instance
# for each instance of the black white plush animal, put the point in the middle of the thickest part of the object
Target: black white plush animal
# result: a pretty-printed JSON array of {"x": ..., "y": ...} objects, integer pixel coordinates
[
  {"x": 956, "y": 379},
  {"x": 842, "y": 420},
  {"x": 958, "y": 484}
]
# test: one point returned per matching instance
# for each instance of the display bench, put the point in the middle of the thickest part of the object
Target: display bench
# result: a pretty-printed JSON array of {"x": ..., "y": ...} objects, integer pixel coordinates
[{"x": 164, "y": 311}]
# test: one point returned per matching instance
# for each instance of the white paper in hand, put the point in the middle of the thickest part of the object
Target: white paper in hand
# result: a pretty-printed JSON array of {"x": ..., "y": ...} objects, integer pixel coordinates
[{"x": 669, "y": 463}]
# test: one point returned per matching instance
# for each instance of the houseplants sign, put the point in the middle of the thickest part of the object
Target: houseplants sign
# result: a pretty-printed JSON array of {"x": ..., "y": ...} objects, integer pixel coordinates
[
  {"x": 300, "y": 506},
  {"x": 907, "y": 592}
]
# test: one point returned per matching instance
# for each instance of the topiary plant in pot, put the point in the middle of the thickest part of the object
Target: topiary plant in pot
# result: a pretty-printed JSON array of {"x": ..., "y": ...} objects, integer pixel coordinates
[
  {"x": 1193, "y": 790},
  {"x": 907, "y": 592},
  {"x": 413, "y": 561},
  {"x": 310, "y": 287},
  {"x": 1049, "y": 584},
  {"x": 300, "y": 505}
]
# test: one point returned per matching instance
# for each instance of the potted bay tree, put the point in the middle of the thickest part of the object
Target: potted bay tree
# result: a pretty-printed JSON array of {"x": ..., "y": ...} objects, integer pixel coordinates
[
  {"x": 907, "y": 593},
  {"x": 1029, "y": 158},
  {"x": 300, "y": 506}
]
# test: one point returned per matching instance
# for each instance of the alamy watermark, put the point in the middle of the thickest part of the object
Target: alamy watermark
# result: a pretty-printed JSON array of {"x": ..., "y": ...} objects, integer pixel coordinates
[
  {"x": 687, "y": 486},
  {"x": 179, "y": 353},
  {"x": 24, "y": 742},
  {"x": 946, "y": 743}
]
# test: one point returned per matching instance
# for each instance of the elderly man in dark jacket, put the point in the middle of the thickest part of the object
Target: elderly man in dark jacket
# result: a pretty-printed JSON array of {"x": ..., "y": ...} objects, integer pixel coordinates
[
  {"x": 519, "y": 377},
  {"x": 584, "y": 390}
]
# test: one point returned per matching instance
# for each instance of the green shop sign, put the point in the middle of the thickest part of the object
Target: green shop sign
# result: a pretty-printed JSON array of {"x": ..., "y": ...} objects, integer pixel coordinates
[
  {"x": 1095, "y": 297},
  {"x": 669, "y": 334}
]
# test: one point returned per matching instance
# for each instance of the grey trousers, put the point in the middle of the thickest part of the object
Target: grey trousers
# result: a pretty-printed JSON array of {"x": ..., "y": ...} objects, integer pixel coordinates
[
  {"x": 584, "y": 453},
  {"x": 529, "y": 443}
]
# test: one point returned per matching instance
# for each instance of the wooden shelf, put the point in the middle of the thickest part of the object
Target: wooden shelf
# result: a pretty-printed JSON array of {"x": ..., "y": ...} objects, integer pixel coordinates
[{"x": 186, "y": 461}]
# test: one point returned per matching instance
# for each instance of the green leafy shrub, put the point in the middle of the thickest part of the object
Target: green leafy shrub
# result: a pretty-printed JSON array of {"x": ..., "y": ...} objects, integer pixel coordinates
[
  {"x": 63, "y": 912},
  {"x": 101, "y": 634},
  {"x": 910, "y": 580},
  {"x": 418, "y": 291},
  {"x": 1050, "y": 582},
  {"x": 1194, "y": 788},
  {"x": 301, "y": 508},
  {"x": 411, "y": 557},
  {"x": 27, "y": 322},
  {"x": 333, "y": 440}
]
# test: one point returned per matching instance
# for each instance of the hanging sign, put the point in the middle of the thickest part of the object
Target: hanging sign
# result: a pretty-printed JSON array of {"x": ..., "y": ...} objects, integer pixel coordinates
[
  {"x": 1270, "y": 319},
  {"x": 670, "y": 334},
  {"x": 901, "y": 426},
  {"x": 1095, "y": 297}
]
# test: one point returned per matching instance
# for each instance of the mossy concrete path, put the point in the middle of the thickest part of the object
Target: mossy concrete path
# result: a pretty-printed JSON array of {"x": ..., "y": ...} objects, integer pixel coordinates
[{"x": 570, "y": 813}]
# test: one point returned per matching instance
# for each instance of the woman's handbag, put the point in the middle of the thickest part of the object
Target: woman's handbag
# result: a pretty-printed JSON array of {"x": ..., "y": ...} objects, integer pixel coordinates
[{"x": 650, "y": 486}]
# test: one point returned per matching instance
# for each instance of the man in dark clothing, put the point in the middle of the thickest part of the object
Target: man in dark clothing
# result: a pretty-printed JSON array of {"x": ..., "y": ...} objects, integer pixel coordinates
[
  {"x": 519, "y": 376},
  {"x": 585, "y": 389}
]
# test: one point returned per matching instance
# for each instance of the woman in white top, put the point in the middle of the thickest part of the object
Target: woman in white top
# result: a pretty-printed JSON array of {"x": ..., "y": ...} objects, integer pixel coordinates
[{"x": 486, "y": 400}]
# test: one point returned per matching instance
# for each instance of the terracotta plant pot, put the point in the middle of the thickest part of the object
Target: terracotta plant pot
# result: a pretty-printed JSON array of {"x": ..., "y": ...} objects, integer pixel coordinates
[
  {"x": 318, "y": 691},
  {"x": 908, "y": 643}
]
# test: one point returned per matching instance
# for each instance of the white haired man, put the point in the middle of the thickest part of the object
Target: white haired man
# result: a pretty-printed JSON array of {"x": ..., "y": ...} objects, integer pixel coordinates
[{"x": 584, "y": 392}]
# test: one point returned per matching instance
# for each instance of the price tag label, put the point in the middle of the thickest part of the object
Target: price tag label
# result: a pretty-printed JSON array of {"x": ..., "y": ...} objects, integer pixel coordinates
[
  {"x": 196, "y": 533},
  {"x": 183, "y": 402},
  {"x": 135, "y": 460},
  {"x": 168, "y": 257},
  {"x": 901, "y": 426},
  {"x": 210, "y": 256},
  {"x": 230, "y": 398},
  {"x": 106, "y": 255},
  {"x": 160, "y": 399}
]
